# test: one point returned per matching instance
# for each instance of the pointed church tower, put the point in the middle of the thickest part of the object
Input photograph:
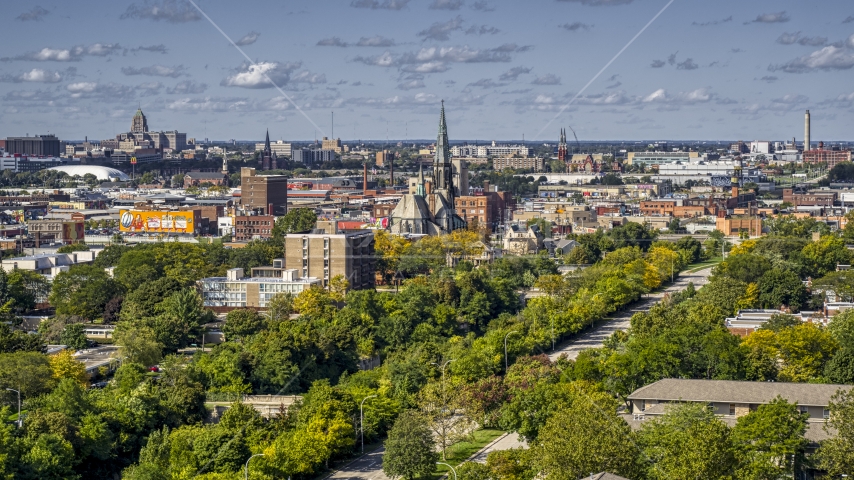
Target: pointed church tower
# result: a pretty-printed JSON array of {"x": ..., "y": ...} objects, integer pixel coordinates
[
  {"x": 561, "y": 149},
  {"x": 419, "y": 188},
  {"x": 443, "y": 175},
  {"x": 267, "y": 150}
]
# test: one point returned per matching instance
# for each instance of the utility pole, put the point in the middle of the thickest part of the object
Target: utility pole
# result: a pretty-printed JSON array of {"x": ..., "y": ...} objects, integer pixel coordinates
[{"x": 362, "y": 420}]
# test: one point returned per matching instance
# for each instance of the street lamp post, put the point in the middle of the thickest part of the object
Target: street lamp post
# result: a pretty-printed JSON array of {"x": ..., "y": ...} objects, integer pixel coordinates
[
  {"x": 452, "y": 468},
  {"x": 505, "y": 348},
  {"x": 246, "y": 466},
  {"x": 443, "y": 370},
  {"x": 362, "y": 420},
  {"x": 20, "y": 424}
]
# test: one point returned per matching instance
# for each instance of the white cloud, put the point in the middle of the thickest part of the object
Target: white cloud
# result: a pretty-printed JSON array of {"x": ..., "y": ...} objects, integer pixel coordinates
[
  {"x": 307, "y": 77},
  {"x": 598, "y": 3},
  {"x": 186, "y": 87},
  {"x": 777, "y": 17},
  {"x": 411, "y": 85},
  {"x": 260, "y": 74},
  {"x": 547, "y": 79},
  {"x": 839, "y": 56},
  {"x": 440, "y": 31},
  {"x": 446, "y": 4},
  {"x": 155, "y": 71},
  {"x": 73, "y": 54},
  {"x": 436, "y": 59},
  {"x": 793, "y": 38},
  {"x": 331, "y": 42},
  {"x": 483, "y": 6},
  {"x": 34, "y": 15},
  {"x": 36, "y": 75},
  {"x": 485, "y": 83},
  {"x": 514, "y": 73},
  {"x": 375, "y": 41},
  {"x": 172, "y": 11},
  {"x": 248, "y": 39},
  {"x": 660, "y": 96},
  {"x": 688, "y": 64},
  {"x": 385, "y": 5},
  {"x": 575, "y": 26}
]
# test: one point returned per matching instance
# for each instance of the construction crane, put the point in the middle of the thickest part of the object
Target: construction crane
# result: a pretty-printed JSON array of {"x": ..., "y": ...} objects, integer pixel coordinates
[{"x": 576, "y": 139}]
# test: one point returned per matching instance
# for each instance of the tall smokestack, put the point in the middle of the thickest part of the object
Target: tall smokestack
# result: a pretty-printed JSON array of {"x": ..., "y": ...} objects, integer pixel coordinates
[
  {"x": 807, "y": 131},
  {"x": 365, "y": 179},
  {"x": 391, "y": 169}
]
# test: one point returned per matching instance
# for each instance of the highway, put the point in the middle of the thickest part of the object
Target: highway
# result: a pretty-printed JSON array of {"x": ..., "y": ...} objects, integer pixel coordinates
[{"x": 620, "y": 320}]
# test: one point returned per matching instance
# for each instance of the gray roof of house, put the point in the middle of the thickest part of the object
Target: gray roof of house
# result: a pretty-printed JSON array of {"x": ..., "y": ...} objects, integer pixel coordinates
[
  {"x": 731, "y": 391},
  {"x": 606, "y": 476}
]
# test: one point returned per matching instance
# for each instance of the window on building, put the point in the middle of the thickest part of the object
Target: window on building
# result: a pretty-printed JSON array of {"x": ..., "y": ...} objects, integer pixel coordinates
[
  {"x": 732, "y": 409},
  {"x": 826, "y": 413}
]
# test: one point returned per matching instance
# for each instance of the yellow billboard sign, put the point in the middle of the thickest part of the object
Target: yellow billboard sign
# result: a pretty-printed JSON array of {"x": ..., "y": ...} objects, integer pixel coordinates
[{"x": 158, "y": 222}]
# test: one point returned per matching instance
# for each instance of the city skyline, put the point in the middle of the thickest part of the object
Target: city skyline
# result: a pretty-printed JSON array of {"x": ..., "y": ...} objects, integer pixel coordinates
[{"x": 699, "y": 72}]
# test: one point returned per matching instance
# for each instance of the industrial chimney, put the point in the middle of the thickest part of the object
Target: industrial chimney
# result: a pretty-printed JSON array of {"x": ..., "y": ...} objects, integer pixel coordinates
[{"x": 807, "y": 131}]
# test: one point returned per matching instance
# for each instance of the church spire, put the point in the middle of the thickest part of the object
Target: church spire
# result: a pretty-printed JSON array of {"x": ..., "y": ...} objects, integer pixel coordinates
[
  {"x": 419, "y": 188},
  {"x": 267, "y": 149}
]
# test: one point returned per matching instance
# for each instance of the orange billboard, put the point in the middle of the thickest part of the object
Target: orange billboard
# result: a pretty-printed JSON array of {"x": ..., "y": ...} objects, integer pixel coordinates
[{"x": 158, "y": 222}]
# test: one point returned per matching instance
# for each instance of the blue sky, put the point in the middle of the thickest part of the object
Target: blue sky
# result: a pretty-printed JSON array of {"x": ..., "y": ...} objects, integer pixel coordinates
[{"x": 723, "y": 69}]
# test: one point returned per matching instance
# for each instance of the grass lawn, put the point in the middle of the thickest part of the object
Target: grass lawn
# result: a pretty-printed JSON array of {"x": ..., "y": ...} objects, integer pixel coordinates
[
  {"x": 704, "y": 264},
  {"x": 459, "y": 452}
]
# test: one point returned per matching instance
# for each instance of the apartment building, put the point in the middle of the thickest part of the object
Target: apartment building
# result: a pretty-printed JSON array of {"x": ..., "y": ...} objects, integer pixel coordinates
[
  {"x": 731, "y": 399},
  {"x": 252, "y": 227},
  {"x": 236, "y": 291},
  {"x": 325, "y": 254},
  {"x": 263, "y": 194}
]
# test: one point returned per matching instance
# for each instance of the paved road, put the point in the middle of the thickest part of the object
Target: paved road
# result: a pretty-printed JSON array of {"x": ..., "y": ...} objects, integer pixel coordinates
[
  {"x": 369, "y": 467},
  {"x": 620, "y": 320},
  {"x": 505, "y": 442}
]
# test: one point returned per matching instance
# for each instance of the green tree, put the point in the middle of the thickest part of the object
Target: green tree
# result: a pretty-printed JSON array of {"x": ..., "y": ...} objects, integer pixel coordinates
[
  {"x": 836, "y": 454},
  {"x": 804, "y": 349},
  {"x": 242, "y": 323},
  {"x": 687, "y": 442},
  {"x": 74, "y": 336},
  {"x": 83, "y": 290},
  {"x": 781, "y": 287},
  {"x": 29, "y": 372},
  {"x": 770, "y": 440},
  {"x": 75, "y": 247},
  {"x": 410, "y": 451},
  {"x": 297, "y": 220},
  {"x": 587, "y": 437},
  {"x": 139, "y": 344}
]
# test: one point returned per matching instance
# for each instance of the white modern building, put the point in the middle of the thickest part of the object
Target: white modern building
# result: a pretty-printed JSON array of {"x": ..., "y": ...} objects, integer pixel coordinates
[
  {"x": 493, "y": 150},
  {"x": 236, "y": 291},
  {"x": 280, "y": 148}
]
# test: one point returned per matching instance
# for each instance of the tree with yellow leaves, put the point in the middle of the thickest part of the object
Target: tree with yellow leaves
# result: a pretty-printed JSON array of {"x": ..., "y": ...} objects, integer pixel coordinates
[
  {"x": 64, "y": 365},
  {"x": 389, "y": 249}
]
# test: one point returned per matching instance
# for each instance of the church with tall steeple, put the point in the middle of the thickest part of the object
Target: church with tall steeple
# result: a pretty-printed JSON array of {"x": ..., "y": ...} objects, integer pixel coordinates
[
  {"x": 430, "y": 211},
  {"x": 269, "y": 160}
]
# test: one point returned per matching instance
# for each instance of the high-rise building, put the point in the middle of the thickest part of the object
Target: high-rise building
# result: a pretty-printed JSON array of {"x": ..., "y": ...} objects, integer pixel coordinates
[
  {"x": 139, "y": 124},
  {"x": 263, "y": 194},
  {"x": 309, "y": 156},
  {"x": 40, "y": 145},
  {"x": 327, "y": 254},
  {"x": 384, "y": 157},
  {"x": 333, "y": 144}
]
